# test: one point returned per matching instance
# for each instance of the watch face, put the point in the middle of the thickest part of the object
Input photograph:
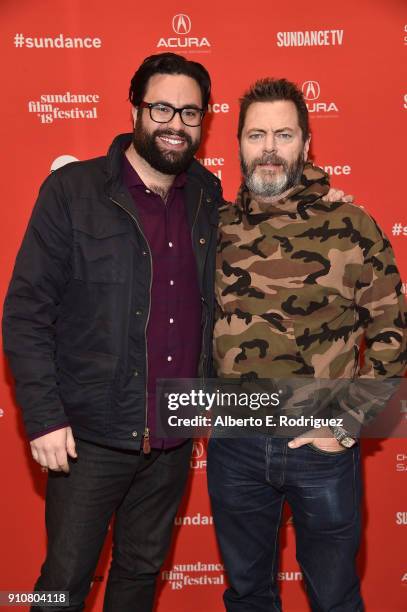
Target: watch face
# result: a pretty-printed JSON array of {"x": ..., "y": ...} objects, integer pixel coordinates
[{"x": 347, "y": 442}]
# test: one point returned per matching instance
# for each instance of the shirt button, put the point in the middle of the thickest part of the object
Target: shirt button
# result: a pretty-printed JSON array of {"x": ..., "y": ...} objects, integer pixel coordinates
[
  {"x": 138, "y": 312},
  {"x": 202, "y": 241},
  {"x": 144, "y": 253},
  {"x": 148, "y": 191},
  {"x": 209, "y": 200},
  {"x": 169, "y": 358},
  {"x": 135, "y": 373},
  {"x": 134, "y": 434},
  {"x": 170, "y": 245},
  {"x": 171, "y": 282},
  {"x": 171, "y": 320}
]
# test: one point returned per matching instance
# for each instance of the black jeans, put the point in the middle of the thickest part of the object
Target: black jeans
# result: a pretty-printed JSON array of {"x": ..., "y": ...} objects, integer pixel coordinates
[
  {"x": 249, "y": 480},
  {"x": 144, "y": 491}
]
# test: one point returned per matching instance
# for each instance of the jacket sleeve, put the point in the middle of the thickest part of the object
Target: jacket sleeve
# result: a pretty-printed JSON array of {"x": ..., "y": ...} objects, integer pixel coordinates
[
  {"x": 382, "y": 314},
  {"x": 41, "y": 272}
]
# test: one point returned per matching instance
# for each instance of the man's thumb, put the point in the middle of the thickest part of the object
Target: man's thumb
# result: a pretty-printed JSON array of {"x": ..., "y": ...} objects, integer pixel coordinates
[{"x": 70, "y": 444}]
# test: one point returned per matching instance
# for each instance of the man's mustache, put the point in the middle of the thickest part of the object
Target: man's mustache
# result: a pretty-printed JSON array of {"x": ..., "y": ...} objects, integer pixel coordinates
[{"x": 269, "y": 158}]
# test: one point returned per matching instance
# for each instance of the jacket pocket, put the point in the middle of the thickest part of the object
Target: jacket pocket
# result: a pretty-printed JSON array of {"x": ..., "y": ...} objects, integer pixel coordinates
[
  {"x": 100, "y": 254},
  {"x": 86, "y": 382}
]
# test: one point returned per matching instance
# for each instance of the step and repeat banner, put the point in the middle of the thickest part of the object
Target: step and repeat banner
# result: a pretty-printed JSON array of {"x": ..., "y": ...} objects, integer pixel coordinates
[{"x": 65, "y": 75}]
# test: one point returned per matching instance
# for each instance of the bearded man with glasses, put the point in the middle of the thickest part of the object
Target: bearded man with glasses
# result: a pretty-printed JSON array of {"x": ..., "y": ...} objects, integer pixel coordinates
[{"x": 112, "y": 289}]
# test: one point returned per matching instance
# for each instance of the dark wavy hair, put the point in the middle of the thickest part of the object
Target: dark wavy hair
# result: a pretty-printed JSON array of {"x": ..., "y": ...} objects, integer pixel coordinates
[
  {"x": 168, "y": 63},
  {"x": 271, "y": 90}
]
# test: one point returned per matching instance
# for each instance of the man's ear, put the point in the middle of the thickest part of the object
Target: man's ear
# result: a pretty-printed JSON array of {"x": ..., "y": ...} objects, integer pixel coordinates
[
  {"x": 134, "y": 111},
  {"x": 306, "y": 147}
]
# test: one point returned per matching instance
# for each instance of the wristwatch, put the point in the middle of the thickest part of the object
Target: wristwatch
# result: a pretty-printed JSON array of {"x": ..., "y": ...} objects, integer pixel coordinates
[{"x": 342, "y": 436}]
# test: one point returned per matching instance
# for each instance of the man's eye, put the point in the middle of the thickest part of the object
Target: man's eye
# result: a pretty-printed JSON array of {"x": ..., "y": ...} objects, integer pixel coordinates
[
  {"x": 255, "y": 136},
  {"x": 162, "y": 109},
  {"x": 190, "y": 113},
  {"x": 284, "y": 136}
]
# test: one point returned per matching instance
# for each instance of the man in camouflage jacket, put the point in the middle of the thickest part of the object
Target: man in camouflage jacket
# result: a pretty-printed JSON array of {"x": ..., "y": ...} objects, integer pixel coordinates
[{"x": 300, "y": 283}]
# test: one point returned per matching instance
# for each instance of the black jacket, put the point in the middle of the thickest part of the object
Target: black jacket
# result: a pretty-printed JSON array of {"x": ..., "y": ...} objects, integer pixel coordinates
[{"x": 83, "y": 268}]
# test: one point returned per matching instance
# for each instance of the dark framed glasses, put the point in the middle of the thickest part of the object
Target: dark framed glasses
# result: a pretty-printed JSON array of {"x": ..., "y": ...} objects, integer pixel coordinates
[{"x": 163, "y": 113}]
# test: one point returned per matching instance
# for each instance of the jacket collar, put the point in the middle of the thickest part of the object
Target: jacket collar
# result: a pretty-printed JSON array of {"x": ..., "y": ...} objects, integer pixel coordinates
[{"x": 200, "y": 187}]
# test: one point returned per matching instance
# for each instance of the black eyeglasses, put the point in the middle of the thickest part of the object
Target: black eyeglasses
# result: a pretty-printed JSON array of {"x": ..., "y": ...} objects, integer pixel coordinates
[{"x": 163, "y": 113}]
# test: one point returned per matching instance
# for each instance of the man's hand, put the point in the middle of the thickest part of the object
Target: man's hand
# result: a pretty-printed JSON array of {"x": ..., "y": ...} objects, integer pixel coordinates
[
  {"x": 328, "y": 444},
  {"x": 52, "y": 450},
  {"x": 336, "y": 195}
]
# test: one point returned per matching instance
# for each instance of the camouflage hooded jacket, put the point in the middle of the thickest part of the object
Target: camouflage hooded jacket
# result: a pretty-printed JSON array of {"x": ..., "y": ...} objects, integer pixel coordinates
[{"x": 299, "y": 284}]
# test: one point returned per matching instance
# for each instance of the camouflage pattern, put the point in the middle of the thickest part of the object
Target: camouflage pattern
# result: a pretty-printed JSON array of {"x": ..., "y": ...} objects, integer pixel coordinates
[{"x": 300, "y": 283}]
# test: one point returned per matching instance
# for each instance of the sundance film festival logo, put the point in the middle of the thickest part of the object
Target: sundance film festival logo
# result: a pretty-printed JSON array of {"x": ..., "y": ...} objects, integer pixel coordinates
[
  {"x": 194, "y": 520},
  {"x": 310, "y": 38},
  {"x": 193, "y": 574},
  {"x": 53, "y": 107},
  {"x": 312, "y": 93},
  {"x": 337, "y": 170},
  {"x": 214, "y": 164},
  {"x": 289, "y": 576},
  {"x": 182, "y": 26}
]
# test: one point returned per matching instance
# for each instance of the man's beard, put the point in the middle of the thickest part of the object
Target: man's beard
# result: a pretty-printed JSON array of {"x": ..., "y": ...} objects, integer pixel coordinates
[
  {"x": 271, "y": 185},
  {"x": 166, "y": 162}
]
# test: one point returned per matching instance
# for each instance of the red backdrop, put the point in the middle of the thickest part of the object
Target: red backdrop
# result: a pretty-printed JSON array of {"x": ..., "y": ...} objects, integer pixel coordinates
[{"x": 348, "y": 57}]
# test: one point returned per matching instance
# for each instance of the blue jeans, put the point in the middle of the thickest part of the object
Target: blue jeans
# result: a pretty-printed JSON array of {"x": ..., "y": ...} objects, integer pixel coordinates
[
  {"x": 249, "y": 480},
  {"x": 143, "y": 491}
]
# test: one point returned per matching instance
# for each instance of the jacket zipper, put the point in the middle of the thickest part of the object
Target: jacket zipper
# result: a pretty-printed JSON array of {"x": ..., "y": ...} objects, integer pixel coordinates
[
  {"x": 204, "y": 355},
  {"x": 202, "y": 361},
  {"x": 146, "y": 434},
  {"x": 196, "y": 215}
]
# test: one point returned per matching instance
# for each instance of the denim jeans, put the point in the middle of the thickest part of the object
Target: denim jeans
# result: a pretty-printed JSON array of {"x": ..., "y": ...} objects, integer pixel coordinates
[
  {"x": 144, "y": 491},
  {"x": 249, "y": 480}
]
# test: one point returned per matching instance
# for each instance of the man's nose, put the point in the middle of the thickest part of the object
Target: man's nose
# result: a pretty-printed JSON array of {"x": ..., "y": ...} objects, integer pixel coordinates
[
  {"x": 270, "y": 143},
  {"x": 176, "y": 122}
]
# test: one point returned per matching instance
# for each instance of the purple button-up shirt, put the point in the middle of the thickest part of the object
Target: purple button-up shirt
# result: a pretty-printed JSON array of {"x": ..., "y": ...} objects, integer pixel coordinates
[{"x": 174, "y": 327}]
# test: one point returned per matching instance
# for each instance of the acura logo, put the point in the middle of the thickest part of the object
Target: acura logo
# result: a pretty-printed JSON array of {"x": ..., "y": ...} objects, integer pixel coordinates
[
  {"x": 311, "y": 90},
  {"x": 181, "y": 24},
  {"x": 197, "y": 450}
]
